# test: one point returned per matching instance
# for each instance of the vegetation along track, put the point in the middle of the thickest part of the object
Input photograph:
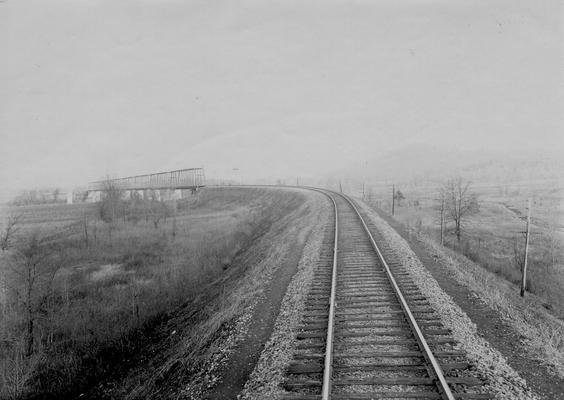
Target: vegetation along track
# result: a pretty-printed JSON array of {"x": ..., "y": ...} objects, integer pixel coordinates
[{"x": 367, "y": 330}]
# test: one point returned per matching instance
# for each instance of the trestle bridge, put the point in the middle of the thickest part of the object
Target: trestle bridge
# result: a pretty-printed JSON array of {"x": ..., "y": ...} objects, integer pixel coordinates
[{"x": 167, "y": 185}]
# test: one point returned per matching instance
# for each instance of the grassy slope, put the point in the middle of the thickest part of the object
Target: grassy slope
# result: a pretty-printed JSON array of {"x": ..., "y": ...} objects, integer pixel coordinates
[
  {"x": 541, "y": 330},
  {"x": 190, "y": 363},
  {"x": 484, "y": 263},
  {"x": 492, "y": 235},
  {"x": 114, "y": 297}
]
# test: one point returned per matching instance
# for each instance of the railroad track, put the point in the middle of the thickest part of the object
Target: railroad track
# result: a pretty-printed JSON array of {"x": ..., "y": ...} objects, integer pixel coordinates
[{"x": 367, "y": 331}]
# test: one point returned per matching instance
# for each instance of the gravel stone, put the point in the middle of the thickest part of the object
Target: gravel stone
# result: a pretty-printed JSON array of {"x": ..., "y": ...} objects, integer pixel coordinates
[
  {"x": 269, "y": 372},
  {"x": 501, "y": 379}
]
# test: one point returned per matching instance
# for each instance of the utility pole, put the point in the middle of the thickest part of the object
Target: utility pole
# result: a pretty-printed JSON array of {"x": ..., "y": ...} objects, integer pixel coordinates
[
  {"x": 527, "y": 234},
  {"x": 238, "y": 172},
  {"x": 362, "y": 191},
  {"x": 393, "y": 198},
  {"x": 442, "y": 219},
  {"x": 340, "y": 187}
]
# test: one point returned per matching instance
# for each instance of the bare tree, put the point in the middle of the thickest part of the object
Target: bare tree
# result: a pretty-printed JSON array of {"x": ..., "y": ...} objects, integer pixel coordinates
[
  {"x": 84, "y": 223},
  {"x": 56, "y": 194},
  {"x": 554, "y": 245},
  {"x": 9, "y": 231},
  {"x": 441, "y": 210},
  {"x": 43, "y": 197},
  {"x": 518, "y": 254},
  {"x": 111, "y": 203},
  {"x": 156, "y": 209},
  {"x": 460, "y": 203},
  {"x": 25, "y": 197},
  {"x": 111, "y": 199},
  {"x": 370, "y": 198},
  {"x": 33, "y": 267},
  {"x": 399, "y": 197}
]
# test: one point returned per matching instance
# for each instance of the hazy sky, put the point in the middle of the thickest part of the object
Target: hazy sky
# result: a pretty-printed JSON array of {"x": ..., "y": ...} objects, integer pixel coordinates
[{"x": 91, "y": 87}]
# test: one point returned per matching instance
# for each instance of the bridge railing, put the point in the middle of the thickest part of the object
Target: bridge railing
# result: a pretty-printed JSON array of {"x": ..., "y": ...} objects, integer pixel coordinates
[{"x": 191, "y": 178}]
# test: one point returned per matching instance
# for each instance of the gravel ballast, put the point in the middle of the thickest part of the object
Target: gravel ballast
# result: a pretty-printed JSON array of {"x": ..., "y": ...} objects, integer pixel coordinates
[
  {"x": 270, "y": 282},
  {"x": 490, "y": 364},
  {"x": 237, "y": 318},
  {"x": 265, "y": 380}
]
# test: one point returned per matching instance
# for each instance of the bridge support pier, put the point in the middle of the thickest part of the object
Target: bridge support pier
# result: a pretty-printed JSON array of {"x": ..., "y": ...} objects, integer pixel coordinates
[{"x": 152, "y": 194}]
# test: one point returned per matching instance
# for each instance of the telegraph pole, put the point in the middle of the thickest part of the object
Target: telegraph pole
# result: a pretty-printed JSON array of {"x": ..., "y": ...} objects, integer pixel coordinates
[
  {"x": 238, "y": 172},
  {"x": 527, "y": 234},
  {"x": 393, "y": 198},
  {"x": 442, "y": 219}
]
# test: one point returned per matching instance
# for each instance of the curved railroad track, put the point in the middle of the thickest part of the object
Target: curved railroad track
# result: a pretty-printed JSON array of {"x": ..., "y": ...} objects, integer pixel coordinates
[{"x": 367, "y": 331}]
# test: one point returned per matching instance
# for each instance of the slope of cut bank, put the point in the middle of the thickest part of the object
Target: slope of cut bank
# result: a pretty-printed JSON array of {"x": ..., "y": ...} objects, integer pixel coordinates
[
  {"x": 303, "y": 240},
  {"x": 193, "y": 353},
  {"x": 267, "y": 377},
  {"x": 513, "y": 332}
]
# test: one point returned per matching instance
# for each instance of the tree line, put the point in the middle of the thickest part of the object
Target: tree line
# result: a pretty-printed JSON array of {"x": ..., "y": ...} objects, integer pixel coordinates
[
  {"x": 38, "y": 196},
  {"x": 454, "y": 204},
  {"x": 30, "y": 259}
]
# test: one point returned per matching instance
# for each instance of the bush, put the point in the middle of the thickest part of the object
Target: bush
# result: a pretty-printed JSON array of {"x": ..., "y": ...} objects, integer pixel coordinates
[{"x": 106, "y": 298}]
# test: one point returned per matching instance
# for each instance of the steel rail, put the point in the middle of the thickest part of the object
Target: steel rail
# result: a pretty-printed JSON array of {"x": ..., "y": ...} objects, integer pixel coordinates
[
  {"x": 442, "y": 384},
  {"x": 328, "y": 361}
]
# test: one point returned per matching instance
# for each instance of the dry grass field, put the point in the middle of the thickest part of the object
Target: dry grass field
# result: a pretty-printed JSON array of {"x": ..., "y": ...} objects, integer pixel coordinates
[
  {"x": 100, "y": 288},
  {"x": 487, "y": 259},
  {"x": 494, "y": 239}
]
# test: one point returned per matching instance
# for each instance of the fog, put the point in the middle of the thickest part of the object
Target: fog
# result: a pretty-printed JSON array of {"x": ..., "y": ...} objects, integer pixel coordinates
[{"x": 272, "y": 88}]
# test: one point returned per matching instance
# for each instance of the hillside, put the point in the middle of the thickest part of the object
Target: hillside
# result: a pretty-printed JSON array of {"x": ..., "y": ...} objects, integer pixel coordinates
[{"x": 421, "y": 164}]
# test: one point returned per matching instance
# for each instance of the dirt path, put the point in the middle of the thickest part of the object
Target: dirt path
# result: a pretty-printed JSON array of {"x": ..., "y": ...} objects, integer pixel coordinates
[
  {"x": 247, "y": 353},
  {"x": 491, "y": 325}
]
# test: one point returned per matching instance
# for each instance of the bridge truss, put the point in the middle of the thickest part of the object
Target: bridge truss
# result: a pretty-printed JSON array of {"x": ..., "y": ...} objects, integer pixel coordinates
[{"x": 191, "y": 178}]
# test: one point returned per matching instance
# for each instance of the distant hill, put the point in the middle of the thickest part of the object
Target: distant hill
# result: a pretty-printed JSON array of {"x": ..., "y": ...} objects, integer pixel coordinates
[{"x": 423, "y": 164}]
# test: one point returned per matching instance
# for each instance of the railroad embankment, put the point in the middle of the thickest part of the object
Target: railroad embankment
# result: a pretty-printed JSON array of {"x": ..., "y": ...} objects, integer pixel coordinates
[
  {"x": 144, "y": 307},
  {"x": 209, "y": 346},
  {"x": 268, "y": 376}
]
